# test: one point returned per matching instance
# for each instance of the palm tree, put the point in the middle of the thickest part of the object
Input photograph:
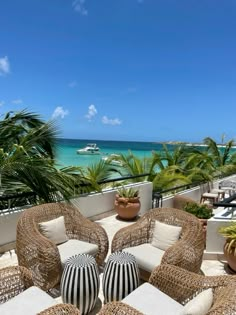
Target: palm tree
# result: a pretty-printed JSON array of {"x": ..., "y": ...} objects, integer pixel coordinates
[
  {"x": 223, "y": 160},
  {"x": 29, "y": 130},
  {"x": 27, "y": 159},
  {"x": 93, "y": 176},
  {"x": 132, "y": 166}
]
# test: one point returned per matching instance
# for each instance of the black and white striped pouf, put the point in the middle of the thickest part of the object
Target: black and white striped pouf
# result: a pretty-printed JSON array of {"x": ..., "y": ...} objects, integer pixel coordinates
[
  {"x": 121, "y": 276},
  {"x": 80, "y": 282}
]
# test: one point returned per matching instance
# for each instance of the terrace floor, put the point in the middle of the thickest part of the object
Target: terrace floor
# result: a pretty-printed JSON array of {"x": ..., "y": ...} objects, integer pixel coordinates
[{"x": 112, "y": 224}]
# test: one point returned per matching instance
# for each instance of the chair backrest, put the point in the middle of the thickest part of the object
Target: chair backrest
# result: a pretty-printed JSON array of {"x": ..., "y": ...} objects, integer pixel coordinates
[
  {"x": 189, "y": 223},
  {"x": 180, "y": 201}
]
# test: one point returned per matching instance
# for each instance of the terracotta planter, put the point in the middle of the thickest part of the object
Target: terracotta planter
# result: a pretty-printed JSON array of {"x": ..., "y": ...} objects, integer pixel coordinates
[
  {"x": 127, "y": 208},
  {"x": 231, "y": 259}
]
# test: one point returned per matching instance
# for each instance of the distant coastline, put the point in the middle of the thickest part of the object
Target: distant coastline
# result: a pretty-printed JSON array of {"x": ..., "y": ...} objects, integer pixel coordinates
[{"x": 191, "y": 144}]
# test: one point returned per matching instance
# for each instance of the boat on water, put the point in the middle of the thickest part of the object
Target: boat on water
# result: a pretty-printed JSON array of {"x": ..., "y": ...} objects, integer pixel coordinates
[
  {"x": 112, "y": 159},
  {"x": 90, "y": 149}
]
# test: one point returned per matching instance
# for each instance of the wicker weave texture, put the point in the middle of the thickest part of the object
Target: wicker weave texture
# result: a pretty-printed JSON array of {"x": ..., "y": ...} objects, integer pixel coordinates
[
  {"x": 182, "y": 286},
  {"x": 187, "y": 252},
  {"x": 39, "y": 254},
  {"x": 13, "y": 281},
  {"x": 179, "y": 201},
  {"x": 61, "y": 309},
  {"x": 118, "y": 308}
]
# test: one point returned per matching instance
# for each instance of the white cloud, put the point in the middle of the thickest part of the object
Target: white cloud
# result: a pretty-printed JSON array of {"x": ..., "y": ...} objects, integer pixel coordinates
[
  {"x": 109, "y": 121},
  {"x": 17, "y": 101},
  {"x": 72, "y": 84},
  {"x": 2, "y": 103},
  {"x": 92, "y": 111},
  {"x": 4, "y": 65},
  {"x": 78, "y": 6},
  {"x": 60, "y": 112}
]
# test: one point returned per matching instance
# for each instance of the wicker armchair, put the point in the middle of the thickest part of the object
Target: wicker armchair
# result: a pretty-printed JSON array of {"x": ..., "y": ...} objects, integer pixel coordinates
[
  {"x": 15, "y": 280},
  {"x": 40, "y": 255},
  {"x": 187, "y": 252},
  {"x": 182, "y": 285}
]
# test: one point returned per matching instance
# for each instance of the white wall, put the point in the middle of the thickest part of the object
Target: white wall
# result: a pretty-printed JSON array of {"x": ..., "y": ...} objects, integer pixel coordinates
[
  {"x": 89, "y": 205},
  {"x": 98, "y": 203}
]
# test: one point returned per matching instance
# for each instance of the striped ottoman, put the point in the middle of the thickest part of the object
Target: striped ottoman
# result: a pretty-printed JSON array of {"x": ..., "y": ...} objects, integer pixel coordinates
[
  {"x": 80, "y": 282},
  {"x": 121, "y": 276}
]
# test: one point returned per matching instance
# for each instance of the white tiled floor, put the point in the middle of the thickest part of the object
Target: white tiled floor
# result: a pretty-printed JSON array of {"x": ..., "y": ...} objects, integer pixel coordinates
[{"x": 112, "y": 225}]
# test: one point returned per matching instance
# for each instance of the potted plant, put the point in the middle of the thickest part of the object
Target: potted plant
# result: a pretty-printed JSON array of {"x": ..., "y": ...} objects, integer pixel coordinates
[
  {"x": 127, "y": 203},
  {"x": 202, "y": 211},
  {"x": 229, "y": 232}
]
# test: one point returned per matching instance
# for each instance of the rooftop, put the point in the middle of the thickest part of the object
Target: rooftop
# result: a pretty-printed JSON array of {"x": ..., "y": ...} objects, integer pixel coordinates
[{"x": 112, "y": 224}]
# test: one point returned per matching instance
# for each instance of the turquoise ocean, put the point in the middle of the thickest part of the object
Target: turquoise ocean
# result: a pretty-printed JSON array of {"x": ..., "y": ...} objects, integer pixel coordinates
[{"x": 66, "y": 150}]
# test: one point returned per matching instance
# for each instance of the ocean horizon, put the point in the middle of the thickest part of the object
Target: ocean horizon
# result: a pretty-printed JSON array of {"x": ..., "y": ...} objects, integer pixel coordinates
[{"x": 66, "y": 150}]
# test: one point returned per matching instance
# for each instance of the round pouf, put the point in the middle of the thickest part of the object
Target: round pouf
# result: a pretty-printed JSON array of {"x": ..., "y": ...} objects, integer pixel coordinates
[
  {"x": 80, "y": 282},
  {"x": 121, "y": 276}
]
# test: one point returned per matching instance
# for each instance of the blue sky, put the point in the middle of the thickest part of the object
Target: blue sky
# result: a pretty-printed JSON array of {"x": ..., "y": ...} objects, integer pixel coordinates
[{"x": 142, "y": 70}]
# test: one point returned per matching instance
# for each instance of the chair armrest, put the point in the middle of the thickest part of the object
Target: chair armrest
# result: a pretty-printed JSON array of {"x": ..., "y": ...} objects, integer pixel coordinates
[
  {"x": 118, "y": 308},
  {"x": 61, "y": 309},
  {"x": 224, "y": 301},
  {"x": 92, "y": 232},
  {"x": 14, "y": 280},
  {"x": 184, "y": 255},
  {"x": 132, "y": 235},
  {"x": 40, "y": 256},
  {"x": 182, "y": 285}
]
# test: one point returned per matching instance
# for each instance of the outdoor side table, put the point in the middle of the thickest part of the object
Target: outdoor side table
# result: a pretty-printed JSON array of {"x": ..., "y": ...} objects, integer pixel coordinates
[
  {"x": 121, "y": 276},
  {"x": 80, "y": 282}
]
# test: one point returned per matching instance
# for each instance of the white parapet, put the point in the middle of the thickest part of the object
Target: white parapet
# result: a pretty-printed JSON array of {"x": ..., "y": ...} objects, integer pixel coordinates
[
  {"x": 98, "y": 203},
  {"x": 89, "y": 205}
]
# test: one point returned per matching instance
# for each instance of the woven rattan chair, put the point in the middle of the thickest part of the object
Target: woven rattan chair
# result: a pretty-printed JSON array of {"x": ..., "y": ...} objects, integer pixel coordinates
[
  {"x": 181, "y": 286},
  {"x": 40, "y": 255},
  {"x": 15, "y": 280},
  {"x": 187, "y": 252}
]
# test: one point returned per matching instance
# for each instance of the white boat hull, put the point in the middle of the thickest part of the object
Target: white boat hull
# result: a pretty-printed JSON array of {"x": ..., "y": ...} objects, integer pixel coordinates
[{"x": 87, "y": 152}]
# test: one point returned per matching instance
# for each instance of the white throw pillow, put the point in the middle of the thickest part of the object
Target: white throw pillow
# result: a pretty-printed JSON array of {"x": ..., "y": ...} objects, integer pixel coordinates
[
  {"x": 200, "y": 304},
  {"x": 54, "y": 230},
  {"x": 165, "y": 235}
]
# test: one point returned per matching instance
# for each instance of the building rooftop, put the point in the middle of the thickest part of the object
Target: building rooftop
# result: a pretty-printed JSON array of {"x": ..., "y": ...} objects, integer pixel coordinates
[{"x": 112, "y": 224}]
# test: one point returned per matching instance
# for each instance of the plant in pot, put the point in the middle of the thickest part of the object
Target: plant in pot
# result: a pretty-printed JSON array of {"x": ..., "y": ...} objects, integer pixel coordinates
[
  {"x": 229, "y": 232},
  {"x": 127, "y": 203},
  {"x": 202, "y": 211}
]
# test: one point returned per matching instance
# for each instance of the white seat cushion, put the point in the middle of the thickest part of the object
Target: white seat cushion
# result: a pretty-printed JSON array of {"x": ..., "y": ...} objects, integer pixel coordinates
[
  {"x": 200, "y": 304},
  {"x": 147, "y": 256},
  {"x": 54, "y": 230},
  {"x": 75, "y": 247},
  {"x": 165, "y": 235},
  {"x": 151, "y": 301},
  {"x": 29, "y": 302}
]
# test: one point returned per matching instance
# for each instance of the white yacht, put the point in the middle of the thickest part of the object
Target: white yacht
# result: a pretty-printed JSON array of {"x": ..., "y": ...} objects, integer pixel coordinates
[
  {"x": 112, "y": 159},
  {"x": 90, "y": 149}
]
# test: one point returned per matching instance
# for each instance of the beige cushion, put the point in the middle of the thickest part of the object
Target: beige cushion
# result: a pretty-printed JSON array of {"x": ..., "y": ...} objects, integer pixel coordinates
[
  {"x": 165, "y": 235},
  {"x": 54, "y": 230},
  {"x": 75, "y": 247},
  {"x": 200, "y": 305},
  {"x": 150, "y": 301},
  {"x": 30, "y": 302},
  {"x": 147, "y": 256}
]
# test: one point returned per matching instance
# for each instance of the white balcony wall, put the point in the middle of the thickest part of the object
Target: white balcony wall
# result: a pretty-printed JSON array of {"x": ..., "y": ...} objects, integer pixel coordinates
[
  {"x": 89, "y": 205},
  {"x": 94, "y": 204}
]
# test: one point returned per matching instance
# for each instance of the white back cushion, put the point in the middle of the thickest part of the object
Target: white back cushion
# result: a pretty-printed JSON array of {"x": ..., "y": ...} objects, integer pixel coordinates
[
  {"x": 200, "y": 305},
  {"x": 54, "y": 230},
  {"x": 165, "y": 235}
]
